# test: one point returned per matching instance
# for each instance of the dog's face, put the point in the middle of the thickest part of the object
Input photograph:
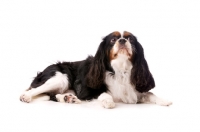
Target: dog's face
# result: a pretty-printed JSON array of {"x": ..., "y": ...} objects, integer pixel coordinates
[{"x": 120, "y": 44}]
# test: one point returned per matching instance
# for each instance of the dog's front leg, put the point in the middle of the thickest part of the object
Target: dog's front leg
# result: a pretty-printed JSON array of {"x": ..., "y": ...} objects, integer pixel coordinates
[{"x": 106, "y": 100}]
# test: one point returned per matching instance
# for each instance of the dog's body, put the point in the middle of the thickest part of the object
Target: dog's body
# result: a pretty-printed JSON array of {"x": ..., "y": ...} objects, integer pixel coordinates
[{"x": 117, "y": 72}]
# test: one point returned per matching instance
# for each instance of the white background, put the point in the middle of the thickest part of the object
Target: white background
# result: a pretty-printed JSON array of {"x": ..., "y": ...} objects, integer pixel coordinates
[{"x": 37, "y": 33}]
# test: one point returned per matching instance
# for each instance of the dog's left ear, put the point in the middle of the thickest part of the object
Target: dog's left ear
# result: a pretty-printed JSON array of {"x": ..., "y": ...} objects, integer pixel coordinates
[{"x": 141, "y": 77}]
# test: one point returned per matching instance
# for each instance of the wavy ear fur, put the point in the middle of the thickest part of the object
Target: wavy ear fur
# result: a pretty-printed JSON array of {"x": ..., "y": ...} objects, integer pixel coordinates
[
  {"x": 96, "y": 74},
  {"x": 140, "y": 74}
]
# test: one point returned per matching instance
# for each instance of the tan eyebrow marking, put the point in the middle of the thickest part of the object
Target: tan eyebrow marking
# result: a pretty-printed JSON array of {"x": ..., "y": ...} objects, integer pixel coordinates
[
  {"x": 116, "y": 33},
  {"x": 126, "y": 34}
]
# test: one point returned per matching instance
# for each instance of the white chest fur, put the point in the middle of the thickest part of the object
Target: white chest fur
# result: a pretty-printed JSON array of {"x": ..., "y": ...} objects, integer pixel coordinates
[{"x": 119, "y": 84}]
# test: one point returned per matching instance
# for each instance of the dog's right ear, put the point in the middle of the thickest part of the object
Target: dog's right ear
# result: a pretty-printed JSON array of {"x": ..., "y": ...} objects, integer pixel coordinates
[{"x": 96, "y": 74}]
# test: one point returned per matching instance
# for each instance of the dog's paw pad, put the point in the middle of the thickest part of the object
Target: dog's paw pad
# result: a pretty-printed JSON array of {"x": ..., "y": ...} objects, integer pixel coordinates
[{"x": 70, "y": 98}]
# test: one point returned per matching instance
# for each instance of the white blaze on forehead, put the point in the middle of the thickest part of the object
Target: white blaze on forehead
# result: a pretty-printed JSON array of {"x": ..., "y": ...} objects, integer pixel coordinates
[{"x": 122, "y": 34}]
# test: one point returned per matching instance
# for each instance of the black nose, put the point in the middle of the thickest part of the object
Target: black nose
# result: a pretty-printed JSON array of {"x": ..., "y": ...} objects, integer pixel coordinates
[{"x": 122, "y": 41}]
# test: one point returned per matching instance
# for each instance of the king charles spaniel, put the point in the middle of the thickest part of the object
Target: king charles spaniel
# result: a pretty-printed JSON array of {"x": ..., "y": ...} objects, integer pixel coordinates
[{"x": 117, "y": 73}]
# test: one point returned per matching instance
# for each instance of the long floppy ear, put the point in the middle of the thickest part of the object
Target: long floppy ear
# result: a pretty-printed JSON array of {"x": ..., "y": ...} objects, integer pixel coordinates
[
  {"x": 96, "y": 74},
  {"x": 140, "y": 74}
]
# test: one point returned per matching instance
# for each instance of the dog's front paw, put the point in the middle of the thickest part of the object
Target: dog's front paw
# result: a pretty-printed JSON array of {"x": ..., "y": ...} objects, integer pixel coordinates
[
  {"x": 163, "y": 102},
  {"x": 26, "y": 97},
  {"x": 108, "y": 103}
]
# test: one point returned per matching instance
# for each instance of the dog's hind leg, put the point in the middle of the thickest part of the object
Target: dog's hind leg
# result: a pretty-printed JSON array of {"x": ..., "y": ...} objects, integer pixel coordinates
[
  {"x": 150, "y": 98},
  {"x": 41, "y": 97},
  {"x": 58, "y": 83}
]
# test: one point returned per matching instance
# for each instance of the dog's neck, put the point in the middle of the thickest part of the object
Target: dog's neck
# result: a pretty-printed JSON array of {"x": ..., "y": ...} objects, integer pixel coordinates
[{"x": 121, "y": 64}]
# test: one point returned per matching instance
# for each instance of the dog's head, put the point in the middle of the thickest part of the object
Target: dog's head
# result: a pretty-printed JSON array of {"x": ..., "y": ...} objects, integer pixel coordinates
[{"x": 124, "y": 47}]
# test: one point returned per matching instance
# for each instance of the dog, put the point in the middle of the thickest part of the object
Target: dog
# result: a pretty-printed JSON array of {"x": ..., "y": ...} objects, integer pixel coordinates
[{"x": 118, "y": 72}]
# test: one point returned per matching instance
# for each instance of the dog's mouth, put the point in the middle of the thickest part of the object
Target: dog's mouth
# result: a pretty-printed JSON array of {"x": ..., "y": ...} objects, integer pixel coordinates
[{"x": 123, "y": 51}]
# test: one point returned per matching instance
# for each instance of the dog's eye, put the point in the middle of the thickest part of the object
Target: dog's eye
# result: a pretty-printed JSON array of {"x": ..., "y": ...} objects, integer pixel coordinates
[
  {"x": 113, "y": 40},
  {"x": 130, "y": 39}
]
